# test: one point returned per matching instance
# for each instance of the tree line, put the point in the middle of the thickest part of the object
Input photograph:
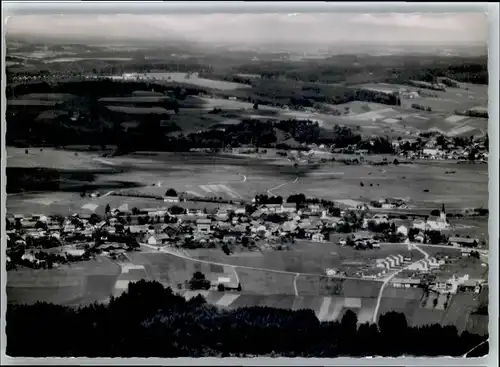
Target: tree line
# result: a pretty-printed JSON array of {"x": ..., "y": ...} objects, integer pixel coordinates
[{"x": 149, "y": 320}]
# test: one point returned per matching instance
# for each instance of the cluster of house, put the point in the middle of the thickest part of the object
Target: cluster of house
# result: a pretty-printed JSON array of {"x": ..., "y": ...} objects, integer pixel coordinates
[
  {"x": 390, "y": 203},
  {"x": 75, "y": 234},
  {"x": 450, "y": 151},
  {"x": 456, "y": 283},
  {"x": 442, "y": 285},
  {"x": 431, "y": 265},
  {"x": 437, "y": 223},
  {"x": 231, "y": 223}
]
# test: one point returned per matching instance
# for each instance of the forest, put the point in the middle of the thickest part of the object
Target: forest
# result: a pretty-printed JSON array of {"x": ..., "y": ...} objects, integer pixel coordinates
[{"x": 149, "y": 320}]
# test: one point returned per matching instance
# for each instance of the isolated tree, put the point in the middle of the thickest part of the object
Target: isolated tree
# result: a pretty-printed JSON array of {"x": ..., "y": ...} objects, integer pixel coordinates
[
  {"x": 434, "y": 302},
  {"x": 221, "y": 287},
  {"x": 107, "y": 210},
  {"x": 255, "y": 106},
  {"x": 171, "y": 192},
  {"x": 198, "y": 275},
  {"x": 94, "y": 219},
  {"x": 435, "y": 213},
  {"x": 245, "y": 241},
  {"x": 41, "y": 225},
  {"x": 226, "y": 249},
  {"x": 26, "y": 151},
  {"x": 176, "y": 210},
  {"x": 198, "y": 281},
  {"x": 349, "y": 322}
]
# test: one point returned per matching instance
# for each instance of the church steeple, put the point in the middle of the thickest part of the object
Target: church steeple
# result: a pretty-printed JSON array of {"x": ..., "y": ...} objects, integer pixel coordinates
[{"x": 443, "y": 213}]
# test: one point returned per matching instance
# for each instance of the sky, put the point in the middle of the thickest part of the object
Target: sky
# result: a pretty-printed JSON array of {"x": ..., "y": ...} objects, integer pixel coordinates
[{"x": 328, "y": 28}]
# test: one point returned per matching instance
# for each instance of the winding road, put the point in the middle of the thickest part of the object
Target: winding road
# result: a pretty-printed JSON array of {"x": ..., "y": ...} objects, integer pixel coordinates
[
  {"x": 390, "y": 277},
  {"x": 270, "y": 191},
  {"x": 295, "y": 274},
  {"x": 295, "y": 284}
]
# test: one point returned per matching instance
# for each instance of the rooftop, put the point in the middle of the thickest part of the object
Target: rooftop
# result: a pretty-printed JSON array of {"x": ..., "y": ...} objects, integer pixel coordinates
[
  {"x": 204, "y": 221},
  {"x": 462, "y": 240}
]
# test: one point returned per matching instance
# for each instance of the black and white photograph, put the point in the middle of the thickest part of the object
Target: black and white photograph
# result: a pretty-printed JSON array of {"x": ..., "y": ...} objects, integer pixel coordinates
[{"x": 247, "y": 184}]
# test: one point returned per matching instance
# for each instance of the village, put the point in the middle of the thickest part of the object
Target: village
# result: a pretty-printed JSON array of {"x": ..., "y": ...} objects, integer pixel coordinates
[
  {"x": 425, "y": 146},
  {"x": 267, "y": 223}
]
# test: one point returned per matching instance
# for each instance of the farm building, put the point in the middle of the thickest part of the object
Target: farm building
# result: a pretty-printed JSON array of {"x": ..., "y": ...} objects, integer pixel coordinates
[
  {"x": 405, "y": 283},
  {"x": 152, "y": 241},
  {"x": 240, "y": 210},
  {"x": 314, "y": 208},
  {"x": 204, "y": 225},
  {"x": 271, "y": 208},
  {"x": 171, "y": 199},
  {"x": 430, "y": 152},
  {"x": 289, "y": 208},
  {"x": 318, "y": 237},
  {"x": 403, "y": 230},
  {"x": 463, "y": 241}
]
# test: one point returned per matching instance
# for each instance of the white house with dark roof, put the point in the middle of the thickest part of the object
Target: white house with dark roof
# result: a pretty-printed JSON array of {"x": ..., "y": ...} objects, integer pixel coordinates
[
  {"x": 463, "y": 242},
  {"x": 314, "y": 208},
  {"x": 289, "y": 208},
  {"x": 171, "y": 199},
  {"x": 318, "y": 237},
  {"x": 271, "y": 208},
  {"x": 204, "y": 225}
]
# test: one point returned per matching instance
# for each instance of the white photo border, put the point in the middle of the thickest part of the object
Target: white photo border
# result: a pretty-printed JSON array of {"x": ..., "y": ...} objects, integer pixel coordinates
[{"x": 12, "y": 8}]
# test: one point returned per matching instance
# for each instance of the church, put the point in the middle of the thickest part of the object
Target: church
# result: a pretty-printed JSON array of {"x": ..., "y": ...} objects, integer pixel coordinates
[{"x": 433, "y": 223}]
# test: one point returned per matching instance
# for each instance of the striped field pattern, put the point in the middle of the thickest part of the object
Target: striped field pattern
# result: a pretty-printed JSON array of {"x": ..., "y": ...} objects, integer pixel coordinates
[{"x": 325, "y": 308}]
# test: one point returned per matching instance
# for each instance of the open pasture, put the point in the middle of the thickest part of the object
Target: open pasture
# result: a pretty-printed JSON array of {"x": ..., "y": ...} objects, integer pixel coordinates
[
  {"x": 466, "y": 265},
  {"x": 195, "y": 80},
  {"x": 307, "y": 257},
  {"x": 31, "y": 103},
  {"x": 243, "y": 177},
  {"x": 228, "y": 104},
  {"x": 231, "y": 178},
  {"x": 81, "y": 282},
  {"x": 194, "y": 120},
  {"x": 172, "y": 270},
  {"x": 265, "y": 282},
  {"x": 134, "y": 99},
  {"x": 359, "y": 107},
  {"x": 409, "y": 301},
  {"x": 478, "y": 324},
  {"x": 325, "y": 308},
  {"x": 338, "y": 182},
  {"x": 474, "y": 227},
  {"x": 320, "y": 285},
  {"x": 332, "y": 308},
  {"x": 446, "y": 123},
  {"x": 459, "y": 309},
  {"x": 440, "y": 251},
  {"x": 346, "y": 253},
  {"x": 50, "y": 158},
  {"x": 139, "y": 110},
  {"x": 66, "y": 203},
  {"x": 58, "y": 97}
]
